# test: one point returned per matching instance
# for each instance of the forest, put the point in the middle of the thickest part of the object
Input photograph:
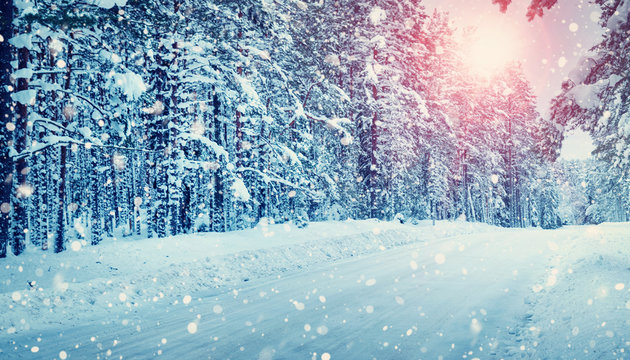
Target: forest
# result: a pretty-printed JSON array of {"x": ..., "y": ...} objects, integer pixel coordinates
[{"x": 154, "y": 118}]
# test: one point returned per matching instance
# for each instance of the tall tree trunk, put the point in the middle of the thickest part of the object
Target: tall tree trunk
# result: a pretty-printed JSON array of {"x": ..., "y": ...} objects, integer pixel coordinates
[
  {"x": 6, "y": 16},
  {"x": 510, "y": 176},
  {"x": 175, "y": 175},
  {"x": 61, "y": 226},
  {"x": 150, "y": 193},
  {"x": 60, "y": 239},
  {"x": 373, "y": 167},
  {"x": 22, "y": 191},
  {"x": 96, "y": 179},
  {"x": 218, "y": 212}
]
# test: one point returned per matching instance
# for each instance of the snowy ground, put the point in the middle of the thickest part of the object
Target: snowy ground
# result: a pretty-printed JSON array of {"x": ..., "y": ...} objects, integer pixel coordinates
[{"x": 349, "y": 290}]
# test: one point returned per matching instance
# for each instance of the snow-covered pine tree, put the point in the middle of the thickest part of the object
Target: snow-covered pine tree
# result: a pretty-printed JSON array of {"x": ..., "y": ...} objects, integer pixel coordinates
[
  {"x": 548, "y": 201},
  {"x": 176, "y": 117},
  {"x": 595, "y": 98}
]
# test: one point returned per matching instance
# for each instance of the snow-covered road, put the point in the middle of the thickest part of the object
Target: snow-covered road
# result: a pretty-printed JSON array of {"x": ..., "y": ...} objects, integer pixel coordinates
[{"x": 512, "y": 294}]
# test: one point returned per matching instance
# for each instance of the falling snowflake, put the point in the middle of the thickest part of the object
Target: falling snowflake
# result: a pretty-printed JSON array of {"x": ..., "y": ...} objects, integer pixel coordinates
[{"x": 192, "y": 327}]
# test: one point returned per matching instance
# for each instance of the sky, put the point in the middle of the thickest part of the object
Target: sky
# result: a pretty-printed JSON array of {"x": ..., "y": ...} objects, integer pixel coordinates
[{"x": 548, "y": 47}]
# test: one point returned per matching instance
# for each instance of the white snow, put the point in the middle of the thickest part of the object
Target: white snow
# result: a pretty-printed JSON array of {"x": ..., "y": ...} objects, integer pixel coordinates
[
  {"x": 370, "y": 73},
  {"x": 218, "y": 150},
  {"x": 586, "y": 96},
  {"x": 23, "y": 4},
  {"x": 624, "y": 124},
  {"x": 24, "y": 73},
  {"x": 620, "y": 16},
  {"x": 579, "y": 74},
  {"x": 377, "y": 14},
  {"x": 289, "y": 156},
  {"x": 590, "y": 96},
  {"x": 562, "y": 61},
  {"x": 240, "y": 190},
  {"x": 264, "y": 54},
  {"x": 22, "y": 41},
  {"x": 108, "y": 4},
  {"x": 332, "y": 59},
  {"x": 131, "y": 84},
  {"x": 352, "y": 290},
  {"x": 583, "y": 309},
  {"x": 95, "y": 275},
  {"x": 25, "y": 97},
  {"x": 247, "y": 88}
]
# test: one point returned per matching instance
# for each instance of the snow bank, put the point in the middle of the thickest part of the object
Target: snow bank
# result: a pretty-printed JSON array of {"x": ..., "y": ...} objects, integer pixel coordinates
[
  {"x": 576, "y": 309},
  {"x": 43, "y": 289}
]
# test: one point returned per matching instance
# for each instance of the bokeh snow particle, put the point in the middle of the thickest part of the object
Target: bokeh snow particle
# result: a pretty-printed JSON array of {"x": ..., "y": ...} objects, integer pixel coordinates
[
  {"x": 119, "y": 162},
  {"x": 332, "y": 59},
  {"x": 24, "y": 191},
  {"x": 5, "y": 208},
  {"x": 192, "y": 328},
  {"x": 562, "y": 61},
  {"x": 377, "y": 15},
  {"x": 298, "y": 305},
  {"x": 75, "y": 245},
  {"x": 475, "y": 326}
]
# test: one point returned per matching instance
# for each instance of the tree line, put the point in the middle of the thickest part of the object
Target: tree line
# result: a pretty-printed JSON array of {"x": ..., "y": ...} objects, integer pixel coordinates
[{"x": 157, "y": 118}]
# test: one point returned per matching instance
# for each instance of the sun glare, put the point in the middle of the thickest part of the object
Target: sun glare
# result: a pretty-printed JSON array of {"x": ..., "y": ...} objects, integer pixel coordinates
[{"x": 491, "y": 47}]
